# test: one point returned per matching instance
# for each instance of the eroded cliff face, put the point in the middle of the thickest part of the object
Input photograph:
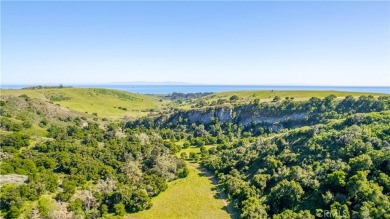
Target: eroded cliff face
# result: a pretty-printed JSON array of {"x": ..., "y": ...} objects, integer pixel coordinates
[
  {"x": 245, "y": 116},
  {"x": 205, "y": 117}
]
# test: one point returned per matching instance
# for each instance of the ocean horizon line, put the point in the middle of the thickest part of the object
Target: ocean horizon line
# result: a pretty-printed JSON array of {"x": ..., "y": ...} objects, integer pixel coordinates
[
  {"x": 168, "y": 89},
  {"x": 183, "y": 84}
]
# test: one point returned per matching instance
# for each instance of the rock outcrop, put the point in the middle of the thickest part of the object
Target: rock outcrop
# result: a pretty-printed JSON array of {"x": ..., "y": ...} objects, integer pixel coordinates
[{"x": 244, "y": 115}]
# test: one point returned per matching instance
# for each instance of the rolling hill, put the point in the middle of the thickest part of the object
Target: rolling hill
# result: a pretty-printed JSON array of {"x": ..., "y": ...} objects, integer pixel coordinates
[{"x": 106, "y": 103}]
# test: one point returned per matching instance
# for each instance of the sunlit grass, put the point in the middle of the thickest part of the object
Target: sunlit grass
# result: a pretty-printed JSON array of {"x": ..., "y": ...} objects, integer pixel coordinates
[
  {"x": 192, "y": 197},
  {"x": 104, "y": 102},
  {"x": 268, "y": 95}
]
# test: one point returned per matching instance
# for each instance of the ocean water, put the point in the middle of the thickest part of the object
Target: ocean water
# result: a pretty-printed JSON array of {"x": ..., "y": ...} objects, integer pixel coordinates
[{"x": 167, "y": 89}]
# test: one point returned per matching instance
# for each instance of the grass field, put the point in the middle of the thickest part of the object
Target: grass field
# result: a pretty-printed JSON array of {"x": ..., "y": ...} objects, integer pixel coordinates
[
  {"x": 191, "y": 197},
  {"x": 194, "y": 149},
  {"x": 104, "y": 102},
  {"x": 268, "y": 95}
]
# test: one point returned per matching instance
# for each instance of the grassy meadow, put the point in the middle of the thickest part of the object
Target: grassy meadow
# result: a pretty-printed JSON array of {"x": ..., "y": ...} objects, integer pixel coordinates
[
  {"x": 268, "y": 95},
  {"x": 106, "y": 103},
  {"x": 191, "y": 197}
]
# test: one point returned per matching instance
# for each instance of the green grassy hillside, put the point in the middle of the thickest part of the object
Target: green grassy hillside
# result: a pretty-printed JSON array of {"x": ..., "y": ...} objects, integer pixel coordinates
[
  {"x": 268, "y": 95},
  {"x": 104, "y": 102}
]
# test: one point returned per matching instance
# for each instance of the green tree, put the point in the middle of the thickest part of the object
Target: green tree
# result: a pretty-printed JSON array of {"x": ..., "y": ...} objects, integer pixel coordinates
[
  {"x": 119, "y": 209},
  {"x": 362, "y": 162},
  {"x": 182, "y": 173},
  {"x": 186, "y": 144},
  {"x": 336, "y": 180},
  {"x": 13, "y": 212},
  {"x": 285, "y": 194},
  {"x": 260, "y": 180},
  {"x": 339, "y": 211},
  {"x": 234, "y": 98},
  {"x": 103, "y": 209},
  {"x": 252, "y": 208}
]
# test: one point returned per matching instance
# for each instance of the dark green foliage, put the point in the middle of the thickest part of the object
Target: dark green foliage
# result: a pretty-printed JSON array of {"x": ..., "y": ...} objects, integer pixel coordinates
[
  {"x": 233, "y": 98},
  {"x": 15, "y": 140},
  {"x": 57, "y": 97},
  {"x": 78, "y": 151},
  {"x": 186, "y": 144},
  {"x": 122, "y": 108},
  {"x": 57, "y": 132},
  {"x": 172, "y": 146},
  {"x": 336, "y": 180},
  {"x": 9, "y": 125},
  {"x": 182, "y": 173},
  {"x": 285, "y": 195},
  {"x": 10, "y": 197},
  {"x": 76, "y": 205},
  {"x": 276, "y": 99},
  {"x": 103, "y": 209},
  {"x": 69, "y": 188},
  {"x": 13, "y": 212},
  {"x": 342, "y": 167},
  {"x": 252, "y": 208},
  {"x": 155, "y": 184}
]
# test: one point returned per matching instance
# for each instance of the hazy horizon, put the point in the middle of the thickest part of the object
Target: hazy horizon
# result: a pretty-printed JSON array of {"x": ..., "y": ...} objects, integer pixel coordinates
[
  {"x": 177, "y": 83},
  {"x": 212, "y": 43}
]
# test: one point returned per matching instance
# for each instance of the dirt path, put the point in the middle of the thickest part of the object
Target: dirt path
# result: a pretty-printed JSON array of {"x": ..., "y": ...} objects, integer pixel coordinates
[{"x": 221, "y": 193}]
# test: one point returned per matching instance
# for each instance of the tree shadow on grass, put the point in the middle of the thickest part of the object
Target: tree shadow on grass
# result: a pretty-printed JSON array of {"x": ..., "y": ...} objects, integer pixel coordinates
[
  {"x": 219, "y": 193},
  {"x": 234, "y": 214},
  {"x": 217, "y": 196},
  {"x": 202, "y": 175},
  {"x": 224, "y": 208}
]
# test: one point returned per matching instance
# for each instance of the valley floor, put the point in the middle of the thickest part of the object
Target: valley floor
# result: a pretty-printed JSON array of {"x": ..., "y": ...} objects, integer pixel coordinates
[{"x": 195, "y": 196}]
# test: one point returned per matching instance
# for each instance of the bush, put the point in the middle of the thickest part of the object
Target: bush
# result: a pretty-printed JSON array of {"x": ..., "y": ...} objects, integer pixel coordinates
[
  {"x": 119, "y": 209},
  {"x": 16, "y": 140},
  {"x": 233, "y": 98},
  {"x": 276, "y": 99},
  {"x": 182, "y": 173},
  {"x": 186, "y": 144}
]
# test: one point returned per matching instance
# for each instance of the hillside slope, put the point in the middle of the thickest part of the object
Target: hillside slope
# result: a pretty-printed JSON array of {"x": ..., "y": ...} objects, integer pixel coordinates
[
  {"x": 106, "y": 103},
  {"x": 342, "y": 167},
  {"x": 268, "y": 95},
  {"x": 60, "y": 163}
]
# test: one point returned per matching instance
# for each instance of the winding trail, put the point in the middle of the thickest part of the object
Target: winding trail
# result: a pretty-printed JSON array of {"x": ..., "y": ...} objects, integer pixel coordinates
[{"x": 221, "y": 193}]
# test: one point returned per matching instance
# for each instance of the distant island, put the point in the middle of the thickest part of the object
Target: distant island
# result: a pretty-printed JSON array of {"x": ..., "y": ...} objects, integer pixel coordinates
[{"x": 150, "y": 83}]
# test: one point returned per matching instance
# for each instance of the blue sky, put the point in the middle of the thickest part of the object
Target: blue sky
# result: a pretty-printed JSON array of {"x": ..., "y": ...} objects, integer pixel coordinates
[{"x": 257, "y": 43}]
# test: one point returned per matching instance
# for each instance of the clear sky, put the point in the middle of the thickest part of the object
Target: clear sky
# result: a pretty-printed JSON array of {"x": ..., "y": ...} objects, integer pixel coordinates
[{"x": 257, "y": 43}]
